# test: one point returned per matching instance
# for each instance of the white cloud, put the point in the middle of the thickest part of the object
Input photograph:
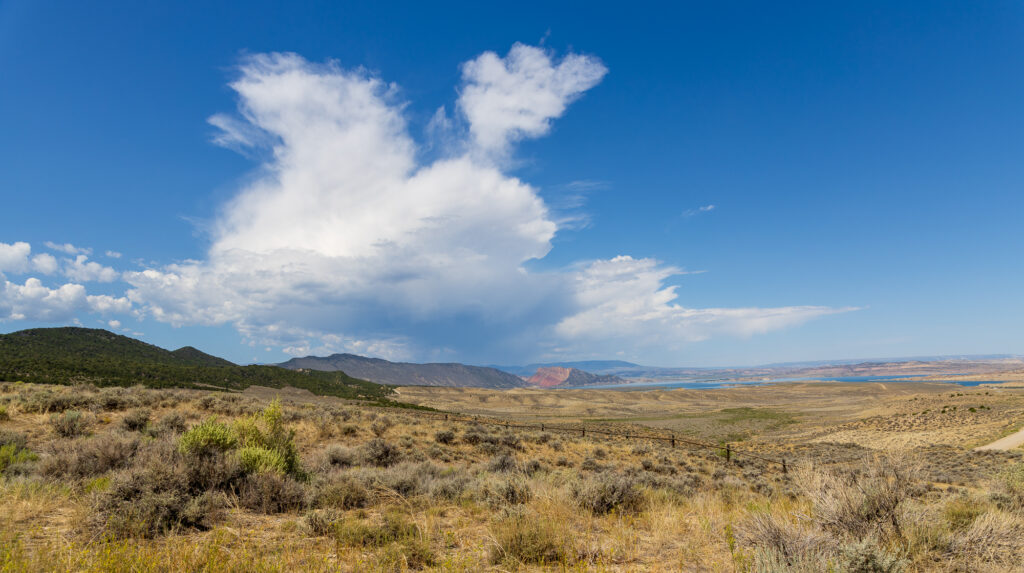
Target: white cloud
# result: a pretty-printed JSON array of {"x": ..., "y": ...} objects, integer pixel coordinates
[
  {"x": 698, "y": 210},
  {"x": 345, "y": 240},
  {"x": 14, "y": 257},
  {"x": 67, "y": 248},
  {"x": 515, "y": 97},
  {"x": 115, "y": 324},
  {"x": 82, "y": 269},
  {"x": 345, "y": 226},
  {"x": 113, "y": 254},
  {"x": 625, "y": 304},
  {"x": 34, "y": 301},
  {"x": 106, "y": 304},
  {"x": 44, "y": 263}
]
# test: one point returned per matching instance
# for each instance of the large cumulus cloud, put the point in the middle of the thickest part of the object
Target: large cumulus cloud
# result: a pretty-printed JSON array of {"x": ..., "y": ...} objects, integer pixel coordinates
[{"x": 345, "y": 239}]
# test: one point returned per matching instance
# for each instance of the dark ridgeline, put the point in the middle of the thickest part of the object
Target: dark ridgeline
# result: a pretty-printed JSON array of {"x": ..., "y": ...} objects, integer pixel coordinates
[
  {"x": 72, "y": 355},
  {"x": 408, "y": 374}
]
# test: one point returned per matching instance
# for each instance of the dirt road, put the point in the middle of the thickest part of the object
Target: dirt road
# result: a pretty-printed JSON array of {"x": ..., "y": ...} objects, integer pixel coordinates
[{"x": 1008, "y": 443}]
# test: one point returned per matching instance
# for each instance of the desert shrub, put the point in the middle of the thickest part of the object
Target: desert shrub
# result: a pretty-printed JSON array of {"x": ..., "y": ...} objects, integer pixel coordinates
[
  {"x": 1011, "y": 483},
  {"x": 531, "y": 467},
  {"x": 154, "y": 497},
  {"x": 214, "y": 471},
  {"x": 257, "y": 459},
  {"x": 857, "y": 505},
  {"x": 70, "y": 423},
  {"x": 341, "y": 493},
  {"x": 543, "y": 438},
  {"x": 136, "y": 420},
  {"x": 320, "y": 522},
  {"x": 606, "y": 492},
  {"x": 17, "y": 439},
  {"x": 266, "y": 440},
  {"x": 866, "y": 556},
  {"x": 777, "y": 540},
  {"x": 995, "y": 537},
  {"x": 502, "y": 463},
  {"x": 511, "y": 441},
  {"x": 337, "y": 456},
  {"x": 472, "y": 437},
  {"x": 48, "y": 401},
  {"x": 406, "y": 479},
  {"x": 449, "y": 487},
  {"x": 512, "y": 491},
  {"x": 115, "y": 399},
  {"x": 4, "y": 414},
  {"x": 271, "y": 492},
  {"x": 600, "y": 453},
  {"x": 523, "y": 538},
  {"x": 590, "y": 464},
  {"x": 412, "y": 553},
  {"x": 381, "y": 425},
  {"x": 380, "y": 453},
  {"x": 208, "y": 438},
  {"x": 13, "y": 453},
  {"x": 961, "y": 513},
  {"x": 89, "y": 457},
  {"x": 394, "y": 527},
  {"x": 402, "y": 540},
  {"x": 446, "y": 437},
  {"x": 173, "y": 423}
]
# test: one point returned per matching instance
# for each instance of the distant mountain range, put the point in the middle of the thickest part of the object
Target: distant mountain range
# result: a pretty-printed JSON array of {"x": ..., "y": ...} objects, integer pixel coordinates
[
  {"x": 73, "y": 355},
  {"x": 593, "y": 366},
  {"x": 561, "y": 377},
  {"x": 457, "y": 375},
  {"x": 408, "y": 374}
]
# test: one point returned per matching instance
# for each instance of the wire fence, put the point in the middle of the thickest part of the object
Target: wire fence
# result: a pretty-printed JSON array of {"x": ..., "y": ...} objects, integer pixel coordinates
[{"x": 675, "y": 441}]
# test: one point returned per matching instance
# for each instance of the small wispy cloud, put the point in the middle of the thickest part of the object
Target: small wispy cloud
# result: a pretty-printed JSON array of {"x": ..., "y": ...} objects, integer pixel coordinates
[
  {"x": 698, "y": 210},
  {"x": 68, "y": 248},
  {"x": 114, "y": 254},
  {"x": 586, "y": 185}
]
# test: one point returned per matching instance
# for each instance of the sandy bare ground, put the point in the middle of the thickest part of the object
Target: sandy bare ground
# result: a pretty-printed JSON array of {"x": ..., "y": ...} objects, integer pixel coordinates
[
  {"x": 1008, "y": 443},
  {"x": 888, "y": 416}
]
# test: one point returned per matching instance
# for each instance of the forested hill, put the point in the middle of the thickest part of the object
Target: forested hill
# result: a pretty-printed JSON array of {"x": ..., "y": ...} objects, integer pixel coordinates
[{"x": 85, "y": 355}]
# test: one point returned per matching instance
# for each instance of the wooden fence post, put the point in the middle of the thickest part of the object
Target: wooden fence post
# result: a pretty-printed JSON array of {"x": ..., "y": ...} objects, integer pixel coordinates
[
  {"x": 728, "y": 452},
  {"x": 673, "y": 440},
  {"x": 783, "y": 465}
]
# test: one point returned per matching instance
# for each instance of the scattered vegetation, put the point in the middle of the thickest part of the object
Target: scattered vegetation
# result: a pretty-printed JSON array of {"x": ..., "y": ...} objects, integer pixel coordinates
[{"x": 137, "y": 478}]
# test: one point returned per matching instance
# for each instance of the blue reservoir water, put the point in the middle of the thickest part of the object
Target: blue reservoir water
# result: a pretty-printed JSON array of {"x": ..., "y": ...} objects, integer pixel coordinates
[{"x": 699, "y": 384}]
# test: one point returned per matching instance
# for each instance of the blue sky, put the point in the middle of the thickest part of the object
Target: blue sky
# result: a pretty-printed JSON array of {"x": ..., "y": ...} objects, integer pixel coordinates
[{"x": 702, "y": 185}]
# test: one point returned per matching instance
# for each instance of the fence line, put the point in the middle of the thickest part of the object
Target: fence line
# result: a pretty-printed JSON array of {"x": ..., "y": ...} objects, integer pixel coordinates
[{"x": 582, "y": 430}]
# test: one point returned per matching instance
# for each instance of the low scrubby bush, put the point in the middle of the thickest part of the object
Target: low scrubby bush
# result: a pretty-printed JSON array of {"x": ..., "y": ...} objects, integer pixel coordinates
[
  {"x": 606, "y": 492},
  {"x": 136, "y": 420},
  {"x": 380, "y": 453},
  {"x": 343, "y": 492},
  {"x": 14, "y": 451},
  {"x": 89, "y": 457},
  {"x": 71, "y": 423},
  {"x": 208, "y": 438},
  {"x": 271, "y": 492},
  {"x": 524, "y": 538},
  {"x": 446, "y": 437}
]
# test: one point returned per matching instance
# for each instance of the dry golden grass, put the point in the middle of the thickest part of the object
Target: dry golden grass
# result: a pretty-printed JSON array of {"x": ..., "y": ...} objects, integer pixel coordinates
[{"x": 397, "y": 490}]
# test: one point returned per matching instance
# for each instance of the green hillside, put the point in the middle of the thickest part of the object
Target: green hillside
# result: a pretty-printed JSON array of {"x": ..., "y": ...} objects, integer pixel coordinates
[
  {"x": 84, "y": 355},
  {"x": 200, "y": 358}
]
